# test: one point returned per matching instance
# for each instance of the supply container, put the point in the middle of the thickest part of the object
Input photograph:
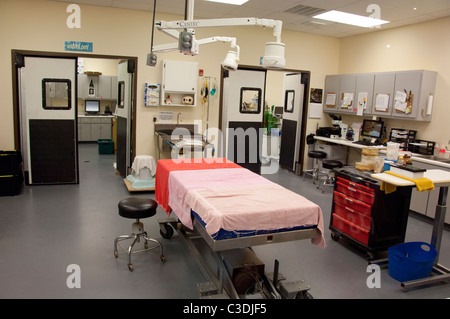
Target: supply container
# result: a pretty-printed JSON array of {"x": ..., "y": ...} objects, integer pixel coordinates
[
  {"x": 387, "y": 164},
  {"x": 105, "y": 146},
  {"x": 392, "y": 150},
  {"x": 11, "y": 173},
  {"x": 411, "y": 261},
  {"x": 368, "y": 159}
]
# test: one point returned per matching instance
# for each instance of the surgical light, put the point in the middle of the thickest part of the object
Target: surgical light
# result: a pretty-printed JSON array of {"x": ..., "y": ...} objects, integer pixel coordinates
[
  {"x": 274, "y": 56},
  {"x": 230, "y": 62}
]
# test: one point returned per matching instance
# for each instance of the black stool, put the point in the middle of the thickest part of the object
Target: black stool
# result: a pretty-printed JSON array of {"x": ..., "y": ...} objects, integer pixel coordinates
[
  {"x": 137, "y": 208},
  {"x": 330, "y": 164},
  {"x": 316, "y": 171}
]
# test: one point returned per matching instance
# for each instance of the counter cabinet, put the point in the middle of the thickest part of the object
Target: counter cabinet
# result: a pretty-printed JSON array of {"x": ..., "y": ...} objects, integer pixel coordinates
[
  {"x": 90, "y": 129},
  {"x": 424, "y": 203}
]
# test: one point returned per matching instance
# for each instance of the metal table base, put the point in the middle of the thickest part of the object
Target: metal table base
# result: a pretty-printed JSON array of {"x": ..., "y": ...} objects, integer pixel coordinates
[{"x": 439, "y": 272}]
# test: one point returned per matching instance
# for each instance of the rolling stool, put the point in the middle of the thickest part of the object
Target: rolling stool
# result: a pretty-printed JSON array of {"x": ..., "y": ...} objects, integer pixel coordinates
[
  {"x": 330, "y": 164},
  {"x": 137, "y": 208},
  {"x": 315, "y": 172}
]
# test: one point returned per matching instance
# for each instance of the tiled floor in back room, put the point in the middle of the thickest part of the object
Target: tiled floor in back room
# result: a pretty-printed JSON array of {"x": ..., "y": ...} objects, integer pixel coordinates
[{"x": 47, "y": 228}]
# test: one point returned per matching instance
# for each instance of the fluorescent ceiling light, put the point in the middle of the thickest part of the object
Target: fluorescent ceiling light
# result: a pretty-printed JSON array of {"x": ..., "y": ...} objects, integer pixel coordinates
[
  {"x": 349, "y": 18},
  {"x": 235, "y": 2}
]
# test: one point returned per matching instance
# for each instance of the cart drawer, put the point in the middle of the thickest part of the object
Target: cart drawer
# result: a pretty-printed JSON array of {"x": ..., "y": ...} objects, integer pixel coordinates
[
  {"x": 352, "y": 203},
  {"x": 350, "y": 229},
  {"x": 352, "y": 216},
  {"x": 355, "y": 193},
  {"x": 356, "y": 185}
]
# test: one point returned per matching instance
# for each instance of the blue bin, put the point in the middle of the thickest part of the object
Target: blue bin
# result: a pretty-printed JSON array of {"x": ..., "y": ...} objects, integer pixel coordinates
[{"x": 411, "y": 261}]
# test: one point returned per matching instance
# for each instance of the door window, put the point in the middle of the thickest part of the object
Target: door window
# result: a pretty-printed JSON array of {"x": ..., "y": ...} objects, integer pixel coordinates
[
  {"x": 289, "y": 101},
  {"x": 56, "y": 94},
  {"x": 250, "y": 100}
]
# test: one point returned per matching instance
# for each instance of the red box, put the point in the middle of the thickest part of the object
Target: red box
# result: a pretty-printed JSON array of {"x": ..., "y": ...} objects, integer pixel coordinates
[
  {"x": 355, "y": 193},
  {"x": 352, "y": 203},
  {"x": 352, "y": 216},
  {"x": 356, "y": 232}
]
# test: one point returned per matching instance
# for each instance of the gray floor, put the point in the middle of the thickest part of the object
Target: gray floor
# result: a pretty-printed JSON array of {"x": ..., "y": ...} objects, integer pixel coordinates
[{"x": 47, "y": 228}]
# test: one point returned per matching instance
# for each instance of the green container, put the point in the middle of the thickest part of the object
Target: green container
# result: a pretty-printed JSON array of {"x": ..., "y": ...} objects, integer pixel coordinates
[{"x": 105, "y": 146}]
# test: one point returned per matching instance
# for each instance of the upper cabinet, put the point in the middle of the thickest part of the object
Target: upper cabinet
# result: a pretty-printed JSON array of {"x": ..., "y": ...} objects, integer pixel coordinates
[
  {"x": 179, "y": 83},
  {"x": 403, "y": 94},
  {"x": 97, "y": 87}
]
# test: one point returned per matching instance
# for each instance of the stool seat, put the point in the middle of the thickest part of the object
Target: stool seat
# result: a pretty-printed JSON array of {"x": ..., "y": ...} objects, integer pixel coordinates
[
  {"x": 330, "y": 164},
  {"x": 317, "y": 154},
  {"x": 137, "y": 208}
]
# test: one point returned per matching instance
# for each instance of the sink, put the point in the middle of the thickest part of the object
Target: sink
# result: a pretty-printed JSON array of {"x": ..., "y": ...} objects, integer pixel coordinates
[
  {"x": 168, "y": 128},
  {"x": 164, "y": 132}
]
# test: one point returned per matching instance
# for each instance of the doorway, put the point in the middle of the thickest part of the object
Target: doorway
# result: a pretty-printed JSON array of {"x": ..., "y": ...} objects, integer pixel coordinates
[
  {"x": 19, "y": 57},
  {"x": 235, "y": 112}
]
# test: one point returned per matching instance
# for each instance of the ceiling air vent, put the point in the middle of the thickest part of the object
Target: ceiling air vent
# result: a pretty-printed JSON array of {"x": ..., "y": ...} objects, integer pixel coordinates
[{"x": 305, "y": 10}]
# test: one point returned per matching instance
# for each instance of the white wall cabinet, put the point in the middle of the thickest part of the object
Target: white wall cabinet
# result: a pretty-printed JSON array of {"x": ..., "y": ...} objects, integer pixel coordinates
[
  {"x": 179, "y": 80},
  {"x": 384, "y": 93}
]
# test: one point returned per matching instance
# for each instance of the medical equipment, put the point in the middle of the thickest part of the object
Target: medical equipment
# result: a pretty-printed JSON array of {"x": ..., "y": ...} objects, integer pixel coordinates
[
  {"x": 207, "y": 205},
  {"x": 189, "y": 45}
]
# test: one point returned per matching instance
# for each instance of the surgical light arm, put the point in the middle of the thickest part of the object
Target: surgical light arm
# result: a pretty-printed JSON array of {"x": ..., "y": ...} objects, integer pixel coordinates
[{"x": 169, "y": 27}]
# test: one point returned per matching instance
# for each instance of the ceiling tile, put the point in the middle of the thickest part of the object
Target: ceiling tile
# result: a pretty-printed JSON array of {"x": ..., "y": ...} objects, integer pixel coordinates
[{"x": 399, "y": 12}]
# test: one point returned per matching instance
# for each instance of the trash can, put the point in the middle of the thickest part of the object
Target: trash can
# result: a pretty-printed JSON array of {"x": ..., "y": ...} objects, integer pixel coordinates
[
  {"x": 11, "y": 173},
  {"x": 411, "y": 261},
  {"x": 105, "y": 146}
]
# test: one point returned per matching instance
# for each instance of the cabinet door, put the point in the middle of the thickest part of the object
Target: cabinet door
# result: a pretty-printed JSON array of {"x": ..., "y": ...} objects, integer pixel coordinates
[
  {"x": 84, "y": 132},
  {"x": 180, "y": 76},
  {"x": 330, "y": 97},
  {"x": 346, "y": 97},
  {"x": 364, "y": 90},
  {"x": 104, "y": 87},
  {"x": 95, "y": 132},
  {"x": 114, "y": 88},
  {"x": 408, "y": 83},
  {"x": 82, "y": 86},
  {"x": 105, "y": 131},
  {"x": 419, "y": 201},
  {"x": 383, "y": 90}
]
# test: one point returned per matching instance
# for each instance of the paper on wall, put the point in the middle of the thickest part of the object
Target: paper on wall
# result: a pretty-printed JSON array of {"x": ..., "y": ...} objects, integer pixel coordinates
[
  {"x": 347, "y": 100},
  {"x": 331, "y": 99},
  {"x": 382, "y": 102},
  {"x": 400, "y": 96},
  {"x": 362, "y": 103},
  {"x": 315, "y": 110},
  {"x": 401, "y": 106}
]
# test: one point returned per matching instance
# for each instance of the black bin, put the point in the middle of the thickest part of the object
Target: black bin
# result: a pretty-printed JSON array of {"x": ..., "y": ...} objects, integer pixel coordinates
[{"x": 11, "y": 173}]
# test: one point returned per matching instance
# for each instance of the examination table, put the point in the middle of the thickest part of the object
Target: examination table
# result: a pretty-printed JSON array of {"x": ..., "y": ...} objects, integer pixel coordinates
[{"x": 232, "y": 209}]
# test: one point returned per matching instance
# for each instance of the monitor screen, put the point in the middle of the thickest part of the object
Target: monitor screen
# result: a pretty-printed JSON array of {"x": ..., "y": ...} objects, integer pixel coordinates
[
  {"x": 92, "y": 106},
  {"x": 372, "y": 128}
]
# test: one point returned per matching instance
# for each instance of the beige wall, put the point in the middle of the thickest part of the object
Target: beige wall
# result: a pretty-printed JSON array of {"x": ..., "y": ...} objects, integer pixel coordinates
[
  {"x": 421, "y": 46},
  {"x": 41, "y": 25}
]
